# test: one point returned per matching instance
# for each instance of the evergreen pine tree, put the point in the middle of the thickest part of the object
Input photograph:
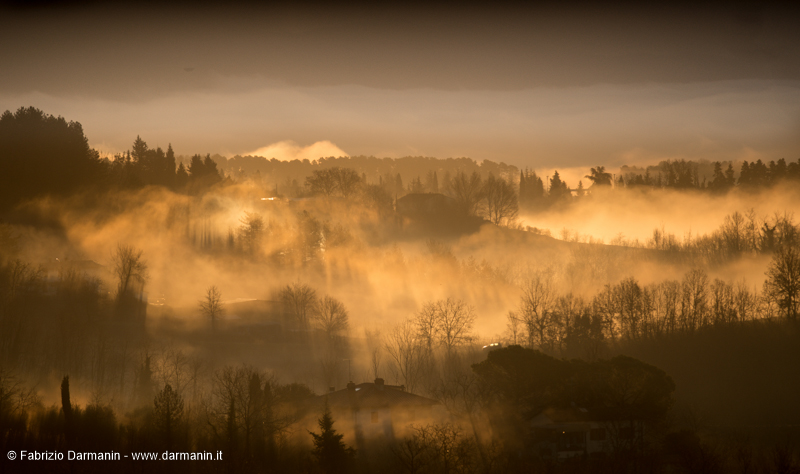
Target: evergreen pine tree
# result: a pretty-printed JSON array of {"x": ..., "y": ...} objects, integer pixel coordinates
[
  {"x": 139, "y": 149},
  {"x": 720, "y": 182},
  {"x": 331, "y": 453},
  {"x": 41, "y": 154},
  {"x": 181, "y": 177},
  {"x": 731, "y": 180},
  {"x": 558, "y": 188},
  {"x": 214, "y": 175},
  {"x": 744, "y": 175},
  {"x": 196, "y": 168},
  {"x": 66, "y": 407}
]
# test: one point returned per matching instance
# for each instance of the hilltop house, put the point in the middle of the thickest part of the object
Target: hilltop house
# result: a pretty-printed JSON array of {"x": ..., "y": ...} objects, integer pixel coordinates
[
  {"x": 559, "y": 433},
  {"x": 434, "y": 212},
  {"x": 373, "y": 410}
]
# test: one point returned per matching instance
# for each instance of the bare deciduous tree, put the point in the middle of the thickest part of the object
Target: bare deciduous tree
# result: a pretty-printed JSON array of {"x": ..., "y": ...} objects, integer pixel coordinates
[
  {"x": 467, "y": 191},
  {"x": 535, "y": 308},
  {"x": 243, "y": 403},
  {"x": 211, "y": 306},
  {"x": 129, "y": 267},
  {"x": 449, "y": 450},
  {"x": 513, "y": 327},
  {"x": 427, "y": 325},
  {"x": 15, "y": 398},
  {"x": 746, "y": 303},
  {"x": 330, "y": 316},
  {"x": 300, "y": 301},
  {"x": 168, "y": 413},
  {"x": 466, "y": 396},
  {"x": 348, "y": 181},
  {"x": 629, "y": 296},
  {"x": 783, "y": 285},
  {"x": 19, "y": 286},
  {"x": 694, "y": 307},
  {"x": 501, "y": 200},
  {"x": 405, "y": 354},
  {"x": 251, "y": 232},
  {"x": 331, "y": 365},
  {"x": 447, "y": 323},
  {"x": 174, "y": 367},
  {"x": 375, "y": 351}
]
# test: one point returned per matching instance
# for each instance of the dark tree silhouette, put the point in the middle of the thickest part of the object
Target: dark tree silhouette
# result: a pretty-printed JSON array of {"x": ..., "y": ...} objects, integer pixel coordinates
[
  {"x": 211, "y": 306},
  {"x": 467, "y": 191},
  {"x": 621, "y": 391},
  {"x": 181, "y": 176},
  {"x": 203, "y": 173},
  {"x": 66, "y": 408},
  {"x": 168, "y": 413},
  {"x": 501, "y": 200},
  {"x": 531, "y": 190},
  {"x": 139, "y": 150},
  {"x": 348, "y": 182},
  {"x": 144, "y": 382},
  {"x": 196, "y": 167},
  {"x": 784, "y": 280},
  {"x": 330, "y": 316},
  {"x": 129, "y": 267},
  {"x": 558, "y": 189},
  {"x": 323, "y": 182},
  {"x": 251, "y": 232},
  {"x": 41, "y": 154},
  {"x": 599, "y": 176},
  {"x": 300, "y": 301},
  {"x": 332, "y": 454},
  {"x": 232, "y": 430},
  {"x": 447, "y": 323}
]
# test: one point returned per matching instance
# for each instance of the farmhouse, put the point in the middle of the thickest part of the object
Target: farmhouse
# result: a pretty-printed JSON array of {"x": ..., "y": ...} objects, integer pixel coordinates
[
  {"x": 374, "y": 410},
  {"x": 562, "y": 433}
]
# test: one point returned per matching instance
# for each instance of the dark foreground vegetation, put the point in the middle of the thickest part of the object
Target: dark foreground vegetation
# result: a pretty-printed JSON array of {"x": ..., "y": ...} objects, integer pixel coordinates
[{"x": 215, "y": 308}]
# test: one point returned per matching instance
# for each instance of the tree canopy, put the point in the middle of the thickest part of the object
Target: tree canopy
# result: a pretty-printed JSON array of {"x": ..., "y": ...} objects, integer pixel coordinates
[
  {"x": 331, "y": 453},
  {"x": 42, "y": 154},
  {"x": 623, "y": 388}
]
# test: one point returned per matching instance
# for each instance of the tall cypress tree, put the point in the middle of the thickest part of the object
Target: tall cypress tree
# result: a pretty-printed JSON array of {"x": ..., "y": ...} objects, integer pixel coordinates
[{"x": 66, "y": 408}]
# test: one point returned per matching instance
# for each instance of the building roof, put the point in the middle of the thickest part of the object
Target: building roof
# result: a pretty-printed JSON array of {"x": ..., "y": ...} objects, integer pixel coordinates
[{"x": 375, "y": 395}]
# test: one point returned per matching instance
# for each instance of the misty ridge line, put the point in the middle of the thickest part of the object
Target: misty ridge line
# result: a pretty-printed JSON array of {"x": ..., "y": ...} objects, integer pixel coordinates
[
  {"x": 142, "y": 166},
  {"x": 404, "y": 280},
  {"x": 659, "y": 241}
]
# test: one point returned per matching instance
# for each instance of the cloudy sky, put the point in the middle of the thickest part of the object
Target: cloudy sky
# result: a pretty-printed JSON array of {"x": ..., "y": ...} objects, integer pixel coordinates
[{"x": 543, "y": 87}]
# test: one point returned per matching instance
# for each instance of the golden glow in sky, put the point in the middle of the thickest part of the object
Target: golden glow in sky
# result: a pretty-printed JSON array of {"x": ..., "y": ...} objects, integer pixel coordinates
[{"x": 287, "y": 150}]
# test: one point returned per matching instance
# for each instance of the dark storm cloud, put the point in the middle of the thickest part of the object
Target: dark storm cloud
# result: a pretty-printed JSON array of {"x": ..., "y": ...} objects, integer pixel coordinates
[
  {"x": 546, "y": 86},
  {"x": 135, "y": 53}
]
